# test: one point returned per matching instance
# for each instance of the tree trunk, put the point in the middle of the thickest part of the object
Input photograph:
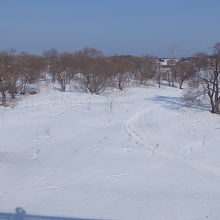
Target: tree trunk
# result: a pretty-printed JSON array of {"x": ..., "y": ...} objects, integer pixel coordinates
[
  {"x": 12, "y": 93},
  {"x": 63, "y": 87},
  {"x": 217, "y": 106},
  {"x": 181, "y": 83},
  {"x": 3, "y": 98},
  {"x": 120, "y": 85}
]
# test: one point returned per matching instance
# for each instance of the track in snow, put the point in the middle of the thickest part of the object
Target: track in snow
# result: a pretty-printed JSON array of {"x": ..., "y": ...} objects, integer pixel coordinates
[{"x": 130, "y": 130}]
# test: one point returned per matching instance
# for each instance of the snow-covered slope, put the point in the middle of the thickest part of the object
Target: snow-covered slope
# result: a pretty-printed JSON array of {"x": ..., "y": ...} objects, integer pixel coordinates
[{"x": 141, "y": 154}]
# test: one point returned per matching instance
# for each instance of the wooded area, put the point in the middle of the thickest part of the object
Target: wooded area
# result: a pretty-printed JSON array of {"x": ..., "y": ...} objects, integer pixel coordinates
[{"x": 91, "y": 71}]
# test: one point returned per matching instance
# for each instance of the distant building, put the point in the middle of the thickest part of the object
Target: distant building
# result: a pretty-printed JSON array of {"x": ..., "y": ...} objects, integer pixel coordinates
[{"x": 167, "y": 62}]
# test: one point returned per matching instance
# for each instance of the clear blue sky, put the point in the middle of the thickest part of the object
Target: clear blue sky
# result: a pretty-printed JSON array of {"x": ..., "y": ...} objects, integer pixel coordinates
[{"x": 137, "y": 27}]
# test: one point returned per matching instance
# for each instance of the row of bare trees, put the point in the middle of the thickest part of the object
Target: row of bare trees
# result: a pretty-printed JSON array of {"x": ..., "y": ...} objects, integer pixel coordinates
[
  {"x": 93, "y": 72},
  {"x": 89, "y": 69}
]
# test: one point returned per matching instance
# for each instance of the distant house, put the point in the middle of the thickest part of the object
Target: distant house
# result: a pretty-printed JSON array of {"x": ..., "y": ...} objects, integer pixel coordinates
[{"x": 167, "y": 62}]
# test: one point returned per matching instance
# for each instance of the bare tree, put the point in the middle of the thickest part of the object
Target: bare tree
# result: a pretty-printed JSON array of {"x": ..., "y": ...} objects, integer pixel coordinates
[
  {"x": 50, "y": 57},
  {"x": 181, "y": 72},
  {"x": 171, "y": 72},
  {"x": 121, "y": 67},
  {"x": 58, "y": 66},
  {"x": 144, "y": 69},
  {"x": 95, "y": 75},
  {"x": 207, "y": 78},
  {"x": 157, "y": 72},
  {"x": 31, "y": 68},
  {"x": 8, "y": 75},
  {"x": 3, "y": 83}
]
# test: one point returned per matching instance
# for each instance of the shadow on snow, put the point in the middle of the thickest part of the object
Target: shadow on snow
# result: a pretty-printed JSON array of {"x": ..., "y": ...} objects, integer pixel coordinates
[{"x": 177, "y": 103}]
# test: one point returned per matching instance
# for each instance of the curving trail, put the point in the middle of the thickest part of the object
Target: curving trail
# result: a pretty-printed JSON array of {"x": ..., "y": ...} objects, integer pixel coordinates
[{"x": 154, "y": 148}]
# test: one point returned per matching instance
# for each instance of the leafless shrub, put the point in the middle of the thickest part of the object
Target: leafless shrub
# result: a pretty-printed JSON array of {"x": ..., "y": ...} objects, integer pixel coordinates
[
  {"x": 30, "y": 68},
  {"x": 95, "y": 74}
]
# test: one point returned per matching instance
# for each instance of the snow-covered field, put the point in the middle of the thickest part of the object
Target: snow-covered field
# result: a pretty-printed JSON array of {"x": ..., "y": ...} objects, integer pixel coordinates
[{"x": 136, "y": 155}]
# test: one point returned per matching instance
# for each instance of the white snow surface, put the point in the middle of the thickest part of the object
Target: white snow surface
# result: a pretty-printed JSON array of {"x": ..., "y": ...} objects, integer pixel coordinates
[{"x": 133, "y": 155}]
